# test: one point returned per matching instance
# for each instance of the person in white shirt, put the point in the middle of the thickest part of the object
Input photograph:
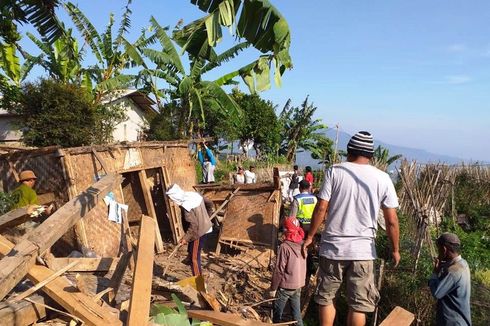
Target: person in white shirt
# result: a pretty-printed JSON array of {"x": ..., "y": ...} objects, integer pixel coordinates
[
  {"x": 250, "y": 176},
  {"x": 239, "y": 176},
  {"x": 348, "y": 203}
]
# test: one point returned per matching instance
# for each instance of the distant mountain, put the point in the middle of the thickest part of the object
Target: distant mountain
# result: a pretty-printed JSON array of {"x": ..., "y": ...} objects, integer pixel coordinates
[{"x": 420, "y": 155}]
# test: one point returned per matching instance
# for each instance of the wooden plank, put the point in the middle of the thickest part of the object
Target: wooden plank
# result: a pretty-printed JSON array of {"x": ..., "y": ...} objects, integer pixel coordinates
[
  {"x": 139, "y": 306},
  {"x": 172, "y": 209},
  {"x": 44, "y": 282},
  {"x": 118, "y": 274},
  {"x": 84, "y": 264},
  {"x": 22, "y": 313},
  {"x": 14, "y": 267},
  {"x": 13, "y": 218},
  {"x": 227, "y": 200},
  {"x": 69, "y": 175},
  {"x": 151, "y": 209},
  {"x": 223, "y": 319},
  {"x": 101, "y": 161},
  {"x": 398, "y": 317},
  {"x": 62, "y": 291}
]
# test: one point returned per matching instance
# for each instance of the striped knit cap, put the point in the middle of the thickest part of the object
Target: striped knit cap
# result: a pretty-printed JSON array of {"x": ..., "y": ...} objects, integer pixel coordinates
[{"x": 361, "y": 144}]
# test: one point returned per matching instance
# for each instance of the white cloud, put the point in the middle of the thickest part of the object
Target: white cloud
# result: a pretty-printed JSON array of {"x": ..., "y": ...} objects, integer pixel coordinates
[{"x": 458, "y": 79}]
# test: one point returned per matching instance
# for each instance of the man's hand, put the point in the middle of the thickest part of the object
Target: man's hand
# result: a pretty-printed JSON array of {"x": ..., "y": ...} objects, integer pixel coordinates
[
  {"x": 396, "y": 257},
  {"x": 271, "y": 294},
  {"x": 306, "y": 244},
  {"x": 437, "y": 265},
  {"x": 183, "y": 242}
]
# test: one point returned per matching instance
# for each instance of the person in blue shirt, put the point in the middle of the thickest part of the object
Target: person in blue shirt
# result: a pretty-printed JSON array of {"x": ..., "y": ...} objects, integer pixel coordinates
[
  {"x": 208, "y": 163},
  {"x": 450, "y": 283}
]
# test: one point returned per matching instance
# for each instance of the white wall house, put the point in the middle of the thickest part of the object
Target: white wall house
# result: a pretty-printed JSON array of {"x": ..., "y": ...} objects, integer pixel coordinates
[{"x": 137, "y": 106}]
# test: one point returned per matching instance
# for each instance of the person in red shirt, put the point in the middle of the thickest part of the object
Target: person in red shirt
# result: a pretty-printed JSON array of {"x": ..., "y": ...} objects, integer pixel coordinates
[{"x": 309, "y": 176}]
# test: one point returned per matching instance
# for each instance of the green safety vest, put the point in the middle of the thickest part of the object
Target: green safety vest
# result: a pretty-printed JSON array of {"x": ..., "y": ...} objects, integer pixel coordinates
[{"x": 306, "y": 205}]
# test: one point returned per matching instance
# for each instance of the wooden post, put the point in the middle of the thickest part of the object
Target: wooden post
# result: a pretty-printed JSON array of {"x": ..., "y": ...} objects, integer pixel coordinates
[
  {"x": 173, "y": 214},
  {"x": 151, "y": 210},
  {"x": 61, "y": 291},
  {"x": 139, "y": 306},
  {"x": 69, "y": 176},
  {"x": 23, "y": 256},
  {"x": 22, "y": 313}
]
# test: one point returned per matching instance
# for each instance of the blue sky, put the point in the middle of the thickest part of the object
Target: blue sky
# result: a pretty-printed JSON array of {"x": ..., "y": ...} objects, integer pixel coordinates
[{"x": 414, "y": 73}]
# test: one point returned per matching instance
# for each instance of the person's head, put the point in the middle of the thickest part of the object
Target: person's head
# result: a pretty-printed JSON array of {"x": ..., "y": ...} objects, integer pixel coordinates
[
  {"x": 252, "y": 168},
  {"x": 308, "y": 169},
  {"x": 295, "y": 168},
  {"x": 292, "y": 230},
  {"x": 240, "y": 170},
  {"x": 361, "y": 144},
  {"x": 304, "y": 186},
  {"x": 448, "y": 245},
  {"x": 28, "y": 178}
]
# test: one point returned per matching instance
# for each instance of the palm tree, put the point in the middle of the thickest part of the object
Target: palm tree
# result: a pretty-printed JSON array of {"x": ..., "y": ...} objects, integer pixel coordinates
[
  {"x": 187, "y": 89},
  {"x": 301, "y": 130},
  {"x": 382, "y": 159}
]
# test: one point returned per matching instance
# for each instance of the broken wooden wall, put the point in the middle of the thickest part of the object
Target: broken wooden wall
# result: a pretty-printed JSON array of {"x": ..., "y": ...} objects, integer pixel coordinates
[{"x": 65, "y": 172}]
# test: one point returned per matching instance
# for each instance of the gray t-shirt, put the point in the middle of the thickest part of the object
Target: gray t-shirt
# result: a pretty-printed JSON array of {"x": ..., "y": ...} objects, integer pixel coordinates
[{"x": 355, "y": 193}]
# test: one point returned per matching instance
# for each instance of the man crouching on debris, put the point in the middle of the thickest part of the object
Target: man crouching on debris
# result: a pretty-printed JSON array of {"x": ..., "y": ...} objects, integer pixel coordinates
[
  {"x": 290, "y": 272},
  {"x": 196, "y": 211},
  {"x": 349, "y": 200}
]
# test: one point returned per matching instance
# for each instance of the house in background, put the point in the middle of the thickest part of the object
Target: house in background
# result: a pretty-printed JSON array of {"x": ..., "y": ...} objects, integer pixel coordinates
[
  {"x": 10, "y": 134},
  {"x": 137, "y": 108}
]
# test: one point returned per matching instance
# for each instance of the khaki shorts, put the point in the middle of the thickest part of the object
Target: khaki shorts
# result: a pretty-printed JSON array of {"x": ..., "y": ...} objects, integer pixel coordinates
[{"x": 362, "y": 295}]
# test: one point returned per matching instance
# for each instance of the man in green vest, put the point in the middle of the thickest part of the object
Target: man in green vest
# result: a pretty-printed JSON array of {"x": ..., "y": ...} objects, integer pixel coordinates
[
  {"x": 303, "y": 205},
  {"x": 24, "y": 194}
]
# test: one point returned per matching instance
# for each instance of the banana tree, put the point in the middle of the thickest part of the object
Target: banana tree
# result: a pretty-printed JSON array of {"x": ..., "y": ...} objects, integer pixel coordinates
[
  {"x": 382, "y": 159},
  {"x": 256, "y": 21},
  {"x": 193, "y": 95},
  {"x": 40, "y": 13},
  {"x": 113, "y": 54},
  {"x": 302, "y": 131},
  {"x": 62, "y": 59},
  {"x": 12, "y": 72}
]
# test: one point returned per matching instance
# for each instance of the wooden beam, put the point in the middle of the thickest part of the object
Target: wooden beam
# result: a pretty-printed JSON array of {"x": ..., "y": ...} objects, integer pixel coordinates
[
  {"x": 22, "y": 313},
  {"x": 151, "y": 210},
  {"x": 398, "y": 317},
  {"x": 227, "y": 200},
  {"x": 223, "y": 319},
  {"x": 14, "y": 218},
  {"x": 172, "y": 209},
  {"x": 62, "y": 291},
  {"x": 22, "y": 257},
  {"x": 118, "y": 274},
  {"x": 139, "y": 306},
  {"x": 105, "y": 264}
]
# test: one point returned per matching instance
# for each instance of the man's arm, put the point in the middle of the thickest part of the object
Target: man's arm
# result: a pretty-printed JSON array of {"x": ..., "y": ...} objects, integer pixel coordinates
[
  {"x": 319, "y": 215},
  {"x": 294, "y": 208},
  {"x": 440, "y": 288},
  {"x": 393, "y": 232}
]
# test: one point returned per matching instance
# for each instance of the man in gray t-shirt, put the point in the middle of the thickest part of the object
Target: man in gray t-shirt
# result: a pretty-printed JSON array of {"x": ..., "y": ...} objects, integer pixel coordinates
[{"x": 349, "y": 200}]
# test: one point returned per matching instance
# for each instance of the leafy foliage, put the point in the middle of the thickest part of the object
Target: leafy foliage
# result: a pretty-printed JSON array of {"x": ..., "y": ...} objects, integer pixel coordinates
[
  {"x": 163, "y": 315},
  {"x": 382, "y": 159},
  {"x": 54, "y": 113},
  {"x": 257, "y": 21},
  {"x": 301, "y": 131},
  {"x": 259, "y": 123},
  {"x": 7, "y": 202}
]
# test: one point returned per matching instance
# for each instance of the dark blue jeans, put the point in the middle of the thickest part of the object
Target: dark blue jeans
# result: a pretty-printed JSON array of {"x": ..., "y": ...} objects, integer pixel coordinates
[{"x": 282, "y": 297}]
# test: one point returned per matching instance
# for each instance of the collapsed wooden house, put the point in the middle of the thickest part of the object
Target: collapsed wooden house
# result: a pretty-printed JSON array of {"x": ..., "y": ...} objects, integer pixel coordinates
[{"x": 83, "y": 236}]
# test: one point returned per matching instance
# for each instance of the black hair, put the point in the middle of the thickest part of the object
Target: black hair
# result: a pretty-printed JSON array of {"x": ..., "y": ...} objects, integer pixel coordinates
[
  {"x": 308, "y": 169},
  {"x": 303, "y": 185},
  {"x": 452, "y": 247},
  {"x": 295, "y": 167},
  {"x": 356, "y": 153}
]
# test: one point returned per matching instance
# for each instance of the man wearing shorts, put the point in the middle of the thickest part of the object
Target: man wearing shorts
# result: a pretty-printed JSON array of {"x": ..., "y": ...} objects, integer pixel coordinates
[{"x": 349, "y": 200}]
